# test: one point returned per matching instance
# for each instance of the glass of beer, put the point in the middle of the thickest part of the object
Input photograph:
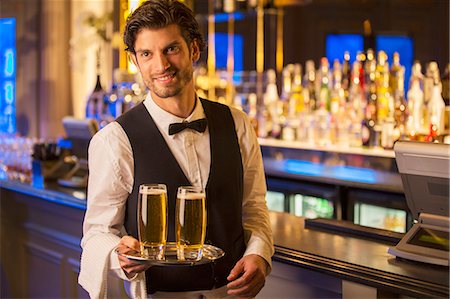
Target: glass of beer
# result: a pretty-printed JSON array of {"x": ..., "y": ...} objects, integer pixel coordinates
[
  {"x": 152, "y": 220},
  {"x": 190, "y": 223}
]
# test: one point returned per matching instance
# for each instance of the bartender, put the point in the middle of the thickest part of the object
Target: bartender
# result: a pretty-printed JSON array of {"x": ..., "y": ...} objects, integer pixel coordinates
[{"x": 175, "y": 138}]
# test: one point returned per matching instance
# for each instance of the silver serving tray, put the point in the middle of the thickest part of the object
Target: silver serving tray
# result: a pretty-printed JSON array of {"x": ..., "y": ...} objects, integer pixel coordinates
[{"x": 210, "y": 254}]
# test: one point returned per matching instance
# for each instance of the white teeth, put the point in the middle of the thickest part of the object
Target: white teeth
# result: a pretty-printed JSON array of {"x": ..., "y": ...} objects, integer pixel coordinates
[{"x": 165, "y": 77}]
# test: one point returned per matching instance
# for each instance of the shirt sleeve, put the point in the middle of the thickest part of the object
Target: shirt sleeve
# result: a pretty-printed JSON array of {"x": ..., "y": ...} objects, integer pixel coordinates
[
  {"x": 110, "y": 182},
  {"x": 255, "y": 214}
]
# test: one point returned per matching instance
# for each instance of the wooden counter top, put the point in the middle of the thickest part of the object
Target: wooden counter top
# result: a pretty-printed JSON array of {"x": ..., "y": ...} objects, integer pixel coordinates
[{"x": 355, "y": 259}]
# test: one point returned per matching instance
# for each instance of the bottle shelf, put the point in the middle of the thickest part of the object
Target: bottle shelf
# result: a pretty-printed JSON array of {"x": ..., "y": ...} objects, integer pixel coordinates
[{"x": 375, "y": 152}]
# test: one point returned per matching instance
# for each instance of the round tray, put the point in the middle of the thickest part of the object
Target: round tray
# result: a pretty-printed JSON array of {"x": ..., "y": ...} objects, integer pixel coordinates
[{"x": 210, "y": 254}]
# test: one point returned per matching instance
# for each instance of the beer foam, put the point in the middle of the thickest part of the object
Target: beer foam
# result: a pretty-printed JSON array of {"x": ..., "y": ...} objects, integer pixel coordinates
[
  {"x": 188, "y": 196},
  {"x": 152, "y": 191}
]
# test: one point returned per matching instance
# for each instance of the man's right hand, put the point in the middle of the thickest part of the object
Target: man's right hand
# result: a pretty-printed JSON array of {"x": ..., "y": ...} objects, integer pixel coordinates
[{"x": 129, "y": 244}]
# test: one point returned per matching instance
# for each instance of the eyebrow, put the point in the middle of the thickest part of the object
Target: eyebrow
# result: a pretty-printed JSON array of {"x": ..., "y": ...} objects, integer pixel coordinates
[{"x": 171, "y": 44}]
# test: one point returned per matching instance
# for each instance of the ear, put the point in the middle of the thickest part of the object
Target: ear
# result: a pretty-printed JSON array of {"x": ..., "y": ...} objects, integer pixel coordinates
[{"x": 195, "y": 51}]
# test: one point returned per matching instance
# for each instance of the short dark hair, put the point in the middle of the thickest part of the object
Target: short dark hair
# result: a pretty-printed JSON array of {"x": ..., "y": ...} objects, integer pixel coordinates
[{"x": 156, "y": 14}]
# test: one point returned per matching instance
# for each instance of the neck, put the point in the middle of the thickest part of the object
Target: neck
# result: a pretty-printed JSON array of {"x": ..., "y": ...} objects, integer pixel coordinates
[{"x": 180, "y": 105}]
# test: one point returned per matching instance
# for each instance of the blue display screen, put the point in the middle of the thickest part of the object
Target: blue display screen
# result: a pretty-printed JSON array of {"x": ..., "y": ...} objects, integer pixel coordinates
[
  {"x": 337, "y": 44},
  {"x": 8, "y": 75},
  {"x": 221, "y": 45}
]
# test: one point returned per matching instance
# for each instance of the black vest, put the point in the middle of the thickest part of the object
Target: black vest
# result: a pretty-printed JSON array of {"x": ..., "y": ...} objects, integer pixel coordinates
[{"x": 154, "y": 163}]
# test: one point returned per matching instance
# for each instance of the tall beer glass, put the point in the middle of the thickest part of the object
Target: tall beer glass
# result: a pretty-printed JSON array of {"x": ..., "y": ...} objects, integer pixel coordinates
[
  {"x": 152, "y": 220},
  {"x": 190, "y": 223}
]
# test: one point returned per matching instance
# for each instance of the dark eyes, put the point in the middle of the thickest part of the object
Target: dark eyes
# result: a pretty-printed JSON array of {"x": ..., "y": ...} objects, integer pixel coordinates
[
  {"x": 168, "y": 50},
  {"x": 172, "y": 49}
]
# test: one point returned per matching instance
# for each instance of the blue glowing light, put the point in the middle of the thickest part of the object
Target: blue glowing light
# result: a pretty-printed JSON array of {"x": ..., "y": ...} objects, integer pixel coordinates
[
  {"x": 8, "y": 75},
  {"x": 9, "y": 62},
  {"x": 221, "y": 43},
  {"x": 337, "y": 44},
  {"x": 9, "y": 92},
  {"x": 346, "y": 173}
]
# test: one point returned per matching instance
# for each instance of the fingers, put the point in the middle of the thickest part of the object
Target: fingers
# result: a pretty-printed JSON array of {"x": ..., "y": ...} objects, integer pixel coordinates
[
  {"x": 248, "y": 285},
  {"x": 236, "y": 271},
  {"x": 126, "y": 245},
  {"x": 130, "y": 242},
  {"x": 252, "y": 269},
  {"x": 132, "y": 268}
]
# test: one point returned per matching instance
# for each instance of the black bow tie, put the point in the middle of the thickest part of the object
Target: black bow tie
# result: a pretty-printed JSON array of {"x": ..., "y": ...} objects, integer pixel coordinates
[{"x": 198, "y": 125}]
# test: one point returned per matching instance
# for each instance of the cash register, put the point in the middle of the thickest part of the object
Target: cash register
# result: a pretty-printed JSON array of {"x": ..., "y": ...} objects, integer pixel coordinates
[
  {"x": 79, "y": 132},
  {"x": 425, "y": 172}
]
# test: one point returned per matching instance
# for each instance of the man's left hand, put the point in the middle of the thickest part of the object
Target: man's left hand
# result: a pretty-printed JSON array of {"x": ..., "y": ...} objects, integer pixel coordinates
[{"x": 248, "y": 276}]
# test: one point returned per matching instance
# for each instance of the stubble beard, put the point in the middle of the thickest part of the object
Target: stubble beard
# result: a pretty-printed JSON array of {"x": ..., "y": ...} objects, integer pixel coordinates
[{"x": 183, "y": 78}]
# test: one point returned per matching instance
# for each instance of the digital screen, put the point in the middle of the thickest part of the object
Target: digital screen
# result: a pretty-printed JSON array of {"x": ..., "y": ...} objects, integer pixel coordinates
[
  {"x": 8, "y": 76},
  {"x": 431, "y": 238},
  {"x": 337, "y": 44},
  {"x": 221, "y": 48}
]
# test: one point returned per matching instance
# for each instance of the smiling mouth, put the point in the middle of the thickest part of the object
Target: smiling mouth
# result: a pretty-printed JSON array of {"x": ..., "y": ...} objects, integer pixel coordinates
[{"x": 166, "y": 78}]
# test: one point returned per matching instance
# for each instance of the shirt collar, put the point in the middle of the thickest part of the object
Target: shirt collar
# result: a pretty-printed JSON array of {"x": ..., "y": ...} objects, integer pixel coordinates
[{"x": 163, "y": 118}]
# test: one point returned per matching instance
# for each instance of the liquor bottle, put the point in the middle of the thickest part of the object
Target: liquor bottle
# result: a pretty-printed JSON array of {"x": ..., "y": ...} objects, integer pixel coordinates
[
  {"x": 385, "y": 103},
  {"x": 368, "y": 132},
  {"x": 400, "y": 106},
  {"x": 324, "y": 93},
  {"x": 361, "y": 57},
  {"x": 415, "y": 101},
  {"x": 309, "y": 82},
  {"x": 445, "y": 85},
  {"x": 271, "y": 104},
  {"x": 252, "y": 111},
  {"x": 252, "y": 4},
  {"x": 428, "y": 81},
  {"x": 436, "y": 105},
  {"x": 346, "y": 74},
  {"x": 393, "y": 73},
  {"x": 286, "y": 90},
  {"x": 370, "y": 66},
  {"x": 229, "y": 6},
  {"x": 368, "y": 36},
  {"x": 218, "y": 6},
  {"x": 322, "y": 125},
  {"x": 356, "y": 104},
  {"x": 388, "y": 133},
  {"x": 95, "y": 102},
  {"x": 337, "y": 93},
  {"x": 297, "y": 90}
]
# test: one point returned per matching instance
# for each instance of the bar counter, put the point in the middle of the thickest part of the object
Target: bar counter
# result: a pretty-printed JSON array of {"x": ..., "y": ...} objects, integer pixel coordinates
[{"x": 42, "y": 227}]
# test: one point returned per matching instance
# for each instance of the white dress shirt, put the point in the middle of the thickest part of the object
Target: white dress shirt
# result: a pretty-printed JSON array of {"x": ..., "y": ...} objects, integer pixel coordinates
[{"x": 111, "y": 169}]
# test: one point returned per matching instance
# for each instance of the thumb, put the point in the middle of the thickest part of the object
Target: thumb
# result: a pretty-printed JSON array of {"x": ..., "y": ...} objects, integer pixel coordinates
[{"x": 234, "y": 273}]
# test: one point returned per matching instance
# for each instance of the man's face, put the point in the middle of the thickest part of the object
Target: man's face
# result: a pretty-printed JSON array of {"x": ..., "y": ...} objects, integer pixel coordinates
[{"x": 164, "y": 60}]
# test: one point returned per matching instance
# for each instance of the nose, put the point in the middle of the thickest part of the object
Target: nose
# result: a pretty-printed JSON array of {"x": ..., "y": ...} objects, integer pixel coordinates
[{"x": 161, "y": 62}]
